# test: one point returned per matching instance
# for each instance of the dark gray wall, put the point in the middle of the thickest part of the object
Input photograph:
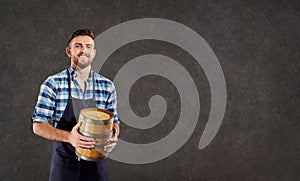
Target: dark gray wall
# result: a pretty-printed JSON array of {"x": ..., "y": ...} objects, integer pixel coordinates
[{"x": 256, "y": 42}]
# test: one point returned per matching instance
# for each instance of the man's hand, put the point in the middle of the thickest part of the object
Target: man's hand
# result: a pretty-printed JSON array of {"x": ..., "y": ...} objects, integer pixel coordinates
[
  {"x": 112, "y": 142},
  {"x": 80, "y": 141}
]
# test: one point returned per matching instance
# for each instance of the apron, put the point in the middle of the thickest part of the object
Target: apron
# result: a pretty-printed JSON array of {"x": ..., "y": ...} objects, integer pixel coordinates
[{"x": 65, "y": 165}]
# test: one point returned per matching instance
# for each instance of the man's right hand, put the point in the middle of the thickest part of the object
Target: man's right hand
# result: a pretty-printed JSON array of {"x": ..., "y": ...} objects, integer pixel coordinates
[
  {"x": 80, "y": 141},
  {"x": 45, "y": 130}
]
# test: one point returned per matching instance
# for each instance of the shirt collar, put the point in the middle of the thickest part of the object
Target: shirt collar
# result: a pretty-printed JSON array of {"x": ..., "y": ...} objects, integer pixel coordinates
[{"x": 74, "y": 75}]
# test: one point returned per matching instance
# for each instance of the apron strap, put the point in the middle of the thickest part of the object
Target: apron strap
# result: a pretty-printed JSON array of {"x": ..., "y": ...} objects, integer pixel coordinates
[
  {"x": 69, "y": 84},
  {"x": 93, "y": 86}
]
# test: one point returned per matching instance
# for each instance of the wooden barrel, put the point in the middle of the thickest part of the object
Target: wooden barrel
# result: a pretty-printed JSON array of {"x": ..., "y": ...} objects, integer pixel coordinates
[{"x": 98, "y": 124}]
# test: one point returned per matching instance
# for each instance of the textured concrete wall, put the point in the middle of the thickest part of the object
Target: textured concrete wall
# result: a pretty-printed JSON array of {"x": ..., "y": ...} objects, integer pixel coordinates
[{"x": 256, "y": 43}]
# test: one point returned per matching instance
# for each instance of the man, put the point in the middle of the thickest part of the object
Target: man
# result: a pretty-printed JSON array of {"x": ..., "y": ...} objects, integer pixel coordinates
[{"x": 60, "y": 99}]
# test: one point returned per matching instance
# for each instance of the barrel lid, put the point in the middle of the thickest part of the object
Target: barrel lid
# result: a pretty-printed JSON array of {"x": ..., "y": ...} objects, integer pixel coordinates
[{"x": 96, "y": 114}]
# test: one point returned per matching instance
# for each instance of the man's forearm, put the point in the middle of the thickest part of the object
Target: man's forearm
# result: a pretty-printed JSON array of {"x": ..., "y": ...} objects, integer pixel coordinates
[
  {"x": 116, "y": 129},
  {"x": 47, "y": 131}
]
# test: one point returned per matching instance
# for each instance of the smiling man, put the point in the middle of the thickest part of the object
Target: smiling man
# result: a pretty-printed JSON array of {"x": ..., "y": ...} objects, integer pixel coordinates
[{"x": 60, "y": 99}]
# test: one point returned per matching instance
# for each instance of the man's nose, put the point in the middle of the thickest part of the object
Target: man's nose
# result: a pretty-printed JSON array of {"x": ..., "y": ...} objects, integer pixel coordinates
[{"x": 83, "y": 48}]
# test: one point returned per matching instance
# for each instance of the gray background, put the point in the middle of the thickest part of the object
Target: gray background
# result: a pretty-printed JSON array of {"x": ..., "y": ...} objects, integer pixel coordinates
[{"x": 256, "y": 42}]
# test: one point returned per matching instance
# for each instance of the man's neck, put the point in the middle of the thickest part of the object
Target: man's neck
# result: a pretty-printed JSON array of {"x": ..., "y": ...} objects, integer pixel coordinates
[{"x": 83, "y": 73}]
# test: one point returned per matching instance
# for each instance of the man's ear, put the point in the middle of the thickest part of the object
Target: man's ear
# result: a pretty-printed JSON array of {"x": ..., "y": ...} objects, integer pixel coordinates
[{"x": 68, "y": 51}]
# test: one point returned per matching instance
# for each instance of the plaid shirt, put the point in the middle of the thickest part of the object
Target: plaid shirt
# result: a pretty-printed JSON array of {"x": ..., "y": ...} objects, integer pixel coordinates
[{"x": 54, "y": 94}]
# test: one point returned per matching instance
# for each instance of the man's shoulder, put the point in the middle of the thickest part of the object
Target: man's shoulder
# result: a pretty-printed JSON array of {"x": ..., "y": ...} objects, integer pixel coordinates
[
  {"x": 57, "y": 78},
  {"x": 102, "y": 79},
  {"x": 60, "y": 74}
]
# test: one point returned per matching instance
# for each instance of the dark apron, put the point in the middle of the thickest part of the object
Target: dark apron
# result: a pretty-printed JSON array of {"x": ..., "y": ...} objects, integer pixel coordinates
[{"x": 65, "y": 165}]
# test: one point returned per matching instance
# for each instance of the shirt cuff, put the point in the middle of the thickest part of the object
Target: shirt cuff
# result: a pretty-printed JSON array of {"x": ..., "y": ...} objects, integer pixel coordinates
[{"x": 39, "y": 120}]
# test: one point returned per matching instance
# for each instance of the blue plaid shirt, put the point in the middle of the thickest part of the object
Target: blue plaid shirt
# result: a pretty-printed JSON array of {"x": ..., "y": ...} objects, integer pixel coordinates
[{"x": 53, "y": 96}]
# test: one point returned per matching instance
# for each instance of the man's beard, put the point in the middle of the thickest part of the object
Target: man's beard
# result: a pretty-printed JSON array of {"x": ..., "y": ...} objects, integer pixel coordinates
[{"x": 82, "y": 61}]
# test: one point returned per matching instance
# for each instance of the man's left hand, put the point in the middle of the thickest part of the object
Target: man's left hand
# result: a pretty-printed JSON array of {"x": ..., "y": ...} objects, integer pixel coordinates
[{"x": 112, "y": 142}]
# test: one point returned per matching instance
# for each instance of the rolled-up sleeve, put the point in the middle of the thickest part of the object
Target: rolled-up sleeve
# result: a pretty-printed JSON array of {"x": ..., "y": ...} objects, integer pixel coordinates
[{"x": 45, "y": 105}]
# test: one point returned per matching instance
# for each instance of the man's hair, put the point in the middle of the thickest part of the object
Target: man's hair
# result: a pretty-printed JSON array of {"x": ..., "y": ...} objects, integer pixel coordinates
[{"x": 81, "y": 32}]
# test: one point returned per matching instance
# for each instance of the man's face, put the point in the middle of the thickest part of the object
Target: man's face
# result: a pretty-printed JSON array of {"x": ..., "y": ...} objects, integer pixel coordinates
[{"x": 82, "y": 51}]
